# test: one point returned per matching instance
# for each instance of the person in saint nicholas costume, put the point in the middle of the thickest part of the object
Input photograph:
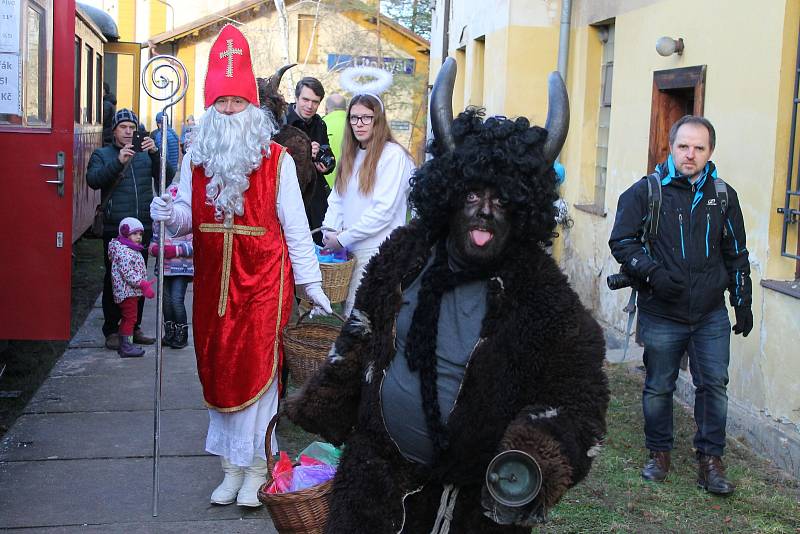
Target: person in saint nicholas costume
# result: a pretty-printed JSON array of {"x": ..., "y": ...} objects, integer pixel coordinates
[{"x": 240, "y": 198}]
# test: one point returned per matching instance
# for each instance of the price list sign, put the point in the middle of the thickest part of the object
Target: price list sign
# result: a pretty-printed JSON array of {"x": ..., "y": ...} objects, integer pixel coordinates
[
  {"x": 9, "y": 26},
  {"x": 10, "y": 102}
]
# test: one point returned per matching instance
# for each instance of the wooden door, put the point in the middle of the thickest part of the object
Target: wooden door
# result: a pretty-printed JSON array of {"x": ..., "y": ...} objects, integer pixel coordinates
[
  {"x": 676, "y": 92},
  {"x": 36, "y": 133}
]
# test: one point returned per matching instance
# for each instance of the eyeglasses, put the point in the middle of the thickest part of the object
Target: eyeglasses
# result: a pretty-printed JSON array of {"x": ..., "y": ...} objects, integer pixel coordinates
[{"x": 366, "y": 120}]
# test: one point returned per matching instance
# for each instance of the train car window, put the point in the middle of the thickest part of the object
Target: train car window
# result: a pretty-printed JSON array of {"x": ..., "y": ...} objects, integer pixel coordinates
[
  {"x": 77, "y": 78},
  {"x": 98, "y": 89},
  {"x": 89, "y": 85},
  {"x": 26, "y": 37}
]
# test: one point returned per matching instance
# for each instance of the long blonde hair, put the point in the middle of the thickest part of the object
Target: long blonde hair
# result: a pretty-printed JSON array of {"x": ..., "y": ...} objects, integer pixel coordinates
[{"x": 381, "y": 134}]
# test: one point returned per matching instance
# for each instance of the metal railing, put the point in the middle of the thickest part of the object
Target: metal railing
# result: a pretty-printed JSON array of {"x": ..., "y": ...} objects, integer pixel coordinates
[{"x": 792, "y": 215}]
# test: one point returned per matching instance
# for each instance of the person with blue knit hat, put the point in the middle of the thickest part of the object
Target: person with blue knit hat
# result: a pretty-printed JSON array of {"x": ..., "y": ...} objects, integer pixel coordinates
[{"x": 173, "y": 142}]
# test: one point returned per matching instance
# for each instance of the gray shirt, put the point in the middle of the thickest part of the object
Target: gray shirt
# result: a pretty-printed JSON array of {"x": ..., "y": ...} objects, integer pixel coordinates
[{"x": 460, "y": 317}]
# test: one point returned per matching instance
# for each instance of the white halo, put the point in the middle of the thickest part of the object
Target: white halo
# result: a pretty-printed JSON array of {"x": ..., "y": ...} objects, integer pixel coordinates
[{"x": 381, "y": 82}]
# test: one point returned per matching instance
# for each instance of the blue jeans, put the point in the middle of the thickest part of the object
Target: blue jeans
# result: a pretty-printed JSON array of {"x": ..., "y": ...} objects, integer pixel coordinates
[
  {"x": 174, "y": 296},
  {"x": 708, "y": 342}
]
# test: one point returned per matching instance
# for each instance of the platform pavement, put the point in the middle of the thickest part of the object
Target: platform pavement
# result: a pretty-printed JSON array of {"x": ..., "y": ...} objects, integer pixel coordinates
[{"x": 79, "y": 459}]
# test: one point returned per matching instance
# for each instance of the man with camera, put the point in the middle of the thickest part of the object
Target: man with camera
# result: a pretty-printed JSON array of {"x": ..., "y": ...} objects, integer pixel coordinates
[
  {"x": 303, "y": 115},
  {"x": 125, "y": 171},
  {"x": 681, "y": 271}
]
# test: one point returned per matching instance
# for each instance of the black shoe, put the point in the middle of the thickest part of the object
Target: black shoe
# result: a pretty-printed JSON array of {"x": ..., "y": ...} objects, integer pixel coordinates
[
  {"x": 141, "y": 339},
  {"x": 181, "y": 338},
  {"x": 657, "y": 466},
  {"x": 711, "y": 475},
  {"x": 169, "y": 334},
  {"x": 112, "y": 341}
]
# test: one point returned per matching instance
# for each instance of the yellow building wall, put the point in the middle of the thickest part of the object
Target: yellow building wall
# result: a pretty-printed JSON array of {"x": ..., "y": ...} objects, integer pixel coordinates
[
  {"x": 747, "y": 98},
  {"x": 126, "y": 20}
]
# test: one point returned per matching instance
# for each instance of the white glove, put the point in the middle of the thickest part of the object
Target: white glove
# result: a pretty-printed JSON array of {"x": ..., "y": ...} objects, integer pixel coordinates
[
  {"x": 162, "y": 209},
  {"x": 322, "y": 306}
]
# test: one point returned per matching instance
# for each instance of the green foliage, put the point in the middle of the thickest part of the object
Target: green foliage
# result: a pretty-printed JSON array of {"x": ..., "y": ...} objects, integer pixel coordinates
[{"x": 413, "y": 14}]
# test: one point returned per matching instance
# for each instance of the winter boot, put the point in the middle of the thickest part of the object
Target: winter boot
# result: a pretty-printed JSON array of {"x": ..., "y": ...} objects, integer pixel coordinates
[
  {"x": 127, "y": 349},
  {"x": 226, "y": 492},
  {"x": 254, "y": 477},
  {"x": 169, "y": 334},
  {"x": 181, "y": 338}
]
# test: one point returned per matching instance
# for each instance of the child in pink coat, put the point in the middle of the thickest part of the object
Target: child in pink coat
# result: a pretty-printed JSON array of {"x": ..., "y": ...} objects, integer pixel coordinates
[{"x": 128, "y": 281}]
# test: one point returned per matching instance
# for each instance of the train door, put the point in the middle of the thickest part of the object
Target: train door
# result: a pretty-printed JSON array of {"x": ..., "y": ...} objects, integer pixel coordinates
[
  {"x": 36, "y": 135},
  {"x": 121, "y": 72}
]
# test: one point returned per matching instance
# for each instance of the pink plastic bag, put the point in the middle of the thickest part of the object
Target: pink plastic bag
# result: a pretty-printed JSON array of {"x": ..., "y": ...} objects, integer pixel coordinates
[
  {"x": 281, "y": 475},
  {"x": 305, "y": 476}
]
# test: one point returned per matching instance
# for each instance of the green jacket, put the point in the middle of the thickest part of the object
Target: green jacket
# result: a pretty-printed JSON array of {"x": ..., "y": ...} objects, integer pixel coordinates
[
  {"x": 133, "y": 194},
  {"x": 335, "y": 123}
]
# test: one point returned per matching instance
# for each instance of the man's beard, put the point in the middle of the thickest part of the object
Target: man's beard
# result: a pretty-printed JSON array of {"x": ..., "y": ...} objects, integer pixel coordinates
[{"x": 230, "y": 148}]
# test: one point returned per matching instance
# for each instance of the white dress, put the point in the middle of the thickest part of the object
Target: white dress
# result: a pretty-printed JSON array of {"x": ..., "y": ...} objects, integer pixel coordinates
[{"x": 237, "y": 436}]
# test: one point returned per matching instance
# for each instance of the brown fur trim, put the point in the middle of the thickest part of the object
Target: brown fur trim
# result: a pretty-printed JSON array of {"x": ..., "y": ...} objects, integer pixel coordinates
[{"x": 556, "y": 470}]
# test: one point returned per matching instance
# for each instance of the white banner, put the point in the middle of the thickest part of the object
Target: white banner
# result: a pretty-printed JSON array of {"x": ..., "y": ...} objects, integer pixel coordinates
[
  {"x": 9, "y": 26},
  {"x": 9, "y": 84}
]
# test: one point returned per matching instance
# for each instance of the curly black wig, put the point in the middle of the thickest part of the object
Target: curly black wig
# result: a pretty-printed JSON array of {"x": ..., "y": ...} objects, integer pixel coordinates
[{"x": 500, "y": 153}]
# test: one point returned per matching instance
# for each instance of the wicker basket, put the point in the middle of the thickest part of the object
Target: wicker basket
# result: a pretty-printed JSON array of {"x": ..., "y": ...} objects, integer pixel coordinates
[
  {"x": 336, "y": 279},
  {"x": 297, "y": 512},
  {"x": 306, "y": 345}
]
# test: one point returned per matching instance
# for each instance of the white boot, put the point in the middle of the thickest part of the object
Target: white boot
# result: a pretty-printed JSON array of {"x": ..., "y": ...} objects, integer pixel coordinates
[
  {"x": 226, "y": 492},
  {"x": 254, "y": 477}
]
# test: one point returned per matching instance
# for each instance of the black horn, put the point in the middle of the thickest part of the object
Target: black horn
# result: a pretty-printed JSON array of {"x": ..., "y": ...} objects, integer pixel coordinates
[
  {"x": 557, "y": 123},
  {"x": 441, "y": 106},
  {"x": 275, "y": 79}
]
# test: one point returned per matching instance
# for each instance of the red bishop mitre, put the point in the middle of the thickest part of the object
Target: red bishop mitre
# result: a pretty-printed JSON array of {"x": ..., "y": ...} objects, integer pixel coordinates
[{"x": 230, "y": 68}]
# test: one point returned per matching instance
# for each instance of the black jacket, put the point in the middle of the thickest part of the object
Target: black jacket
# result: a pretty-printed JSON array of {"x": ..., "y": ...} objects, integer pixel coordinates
[
  {"x": 133, "y": 194},
  {"x": 315, "y": 129},
  {"x": 696, "y": 240},
  {"x": 534, "y": 382}
]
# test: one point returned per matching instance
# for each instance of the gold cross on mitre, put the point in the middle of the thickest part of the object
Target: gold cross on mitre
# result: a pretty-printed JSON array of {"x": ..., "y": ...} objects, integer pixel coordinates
[
  {"x": 227, "y": 253},
  {"x": 229, "y": 53}
]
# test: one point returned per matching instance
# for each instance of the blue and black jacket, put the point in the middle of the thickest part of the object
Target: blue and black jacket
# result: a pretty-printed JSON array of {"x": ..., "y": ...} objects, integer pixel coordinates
[{"x": 695, "y": 240}]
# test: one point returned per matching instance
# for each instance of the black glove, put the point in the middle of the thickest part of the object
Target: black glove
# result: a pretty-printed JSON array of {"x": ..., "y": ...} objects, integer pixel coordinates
[
  {"x": 529, "y": 515},
  {"x": 744, "y": 320},
  {"x": 666, "y": 285}
]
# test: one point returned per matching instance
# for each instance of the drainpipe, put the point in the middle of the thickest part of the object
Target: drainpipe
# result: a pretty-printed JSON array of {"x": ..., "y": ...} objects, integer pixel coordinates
[
  {"x": 563, "y": 44},
  {"x": 446, "y": 30},
  {"x": 563, "y": 39}
]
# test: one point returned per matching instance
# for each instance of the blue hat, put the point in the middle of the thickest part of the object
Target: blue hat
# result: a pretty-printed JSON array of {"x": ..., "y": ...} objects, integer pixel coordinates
[
  {"x": 159, "y": 116},
  {"x": 124, "y": 115}
]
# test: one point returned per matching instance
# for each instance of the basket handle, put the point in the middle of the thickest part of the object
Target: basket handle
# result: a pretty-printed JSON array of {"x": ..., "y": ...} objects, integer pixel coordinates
[
  {"x": 302, "y": 317},
  {"x": 268, "y": 441}
]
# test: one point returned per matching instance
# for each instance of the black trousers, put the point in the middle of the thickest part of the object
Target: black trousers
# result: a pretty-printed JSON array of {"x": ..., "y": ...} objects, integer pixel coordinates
[{"x": 111, "y": 312}]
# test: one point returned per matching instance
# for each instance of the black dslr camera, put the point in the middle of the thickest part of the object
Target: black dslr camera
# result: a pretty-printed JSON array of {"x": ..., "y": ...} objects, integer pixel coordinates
[{"x": 325, "y": 156}]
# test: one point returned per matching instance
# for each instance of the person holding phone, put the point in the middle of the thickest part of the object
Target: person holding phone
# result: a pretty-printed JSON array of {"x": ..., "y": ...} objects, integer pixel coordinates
[{"x": 127, "y": 170}]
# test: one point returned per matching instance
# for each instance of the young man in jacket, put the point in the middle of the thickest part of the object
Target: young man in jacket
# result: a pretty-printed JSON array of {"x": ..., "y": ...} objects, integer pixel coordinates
[
  {"x": 130, "y": 197},
  {"x": 309, "y": 92},
  {"x": 698, "y": 252}
]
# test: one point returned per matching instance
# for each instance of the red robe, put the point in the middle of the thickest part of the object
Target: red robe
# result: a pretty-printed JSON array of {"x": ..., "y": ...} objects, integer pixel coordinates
[{"x": 238, "y": 324}]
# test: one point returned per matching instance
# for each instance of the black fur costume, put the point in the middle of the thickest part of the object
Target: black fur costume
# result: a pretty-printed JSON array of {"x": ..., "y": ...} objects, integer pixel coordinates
[{"x": 534, "y": 382}]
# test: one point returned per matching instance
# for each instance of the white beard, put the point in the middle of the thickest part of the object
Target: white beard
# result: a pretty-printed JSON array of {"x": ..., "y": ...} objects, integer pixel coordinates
[{"x": 230, "y": 147}]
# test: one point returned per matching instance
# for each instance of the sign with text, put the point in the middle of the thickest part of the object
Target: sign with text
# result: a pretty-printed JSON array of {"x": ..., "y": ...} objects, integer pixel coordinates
[
  {"x": 400, "y": 126},
  {"x": 395, "y": 65},
  {"x": 9, "y": 84},
  {"x": 9, "y": 26}
]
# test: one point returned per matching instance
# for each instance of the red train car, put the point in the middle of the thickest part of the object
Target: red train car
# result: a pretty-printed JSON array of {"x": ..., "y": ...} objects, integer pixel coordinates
[{"x": 53, "y": 55}]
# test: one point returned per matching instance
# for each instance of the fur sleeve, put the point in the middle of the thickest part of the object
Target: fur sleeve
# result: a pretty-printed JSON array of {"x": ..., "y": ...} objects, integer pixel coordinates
[
  {"x": 327, "y": 404},
  {"x": 566, "y": 426}
]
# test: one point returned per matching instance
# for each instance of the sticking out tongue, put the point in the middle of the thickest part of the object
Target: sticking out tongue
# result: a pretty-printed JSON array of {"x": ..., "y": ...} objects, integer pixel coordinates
[{"x": 480, "y": 237}]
